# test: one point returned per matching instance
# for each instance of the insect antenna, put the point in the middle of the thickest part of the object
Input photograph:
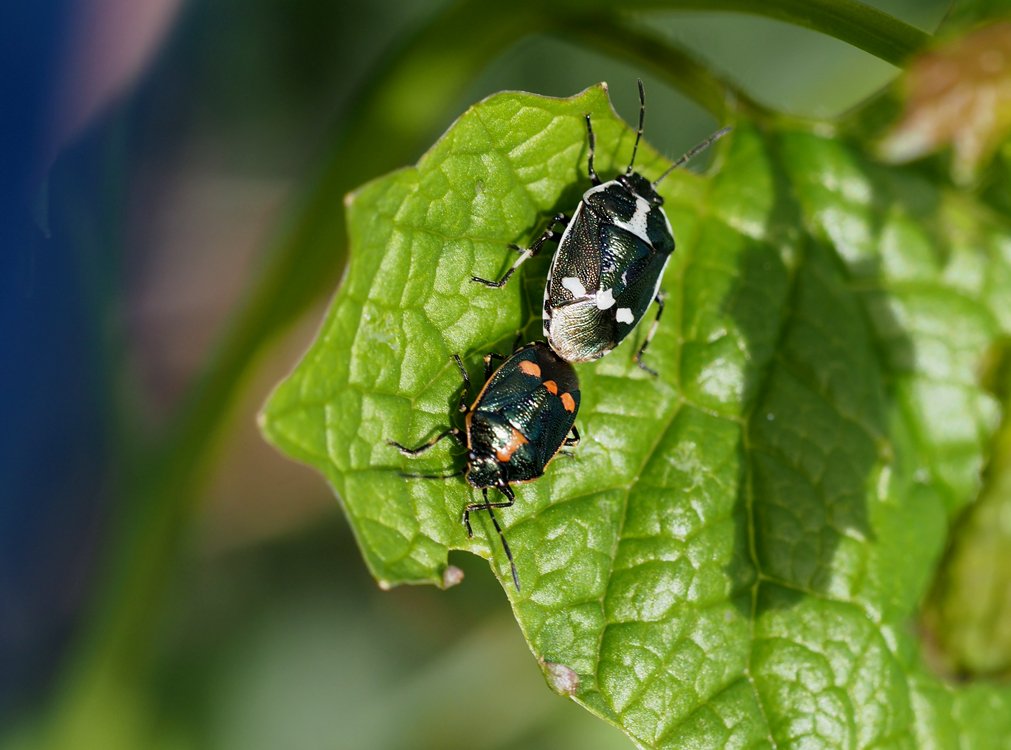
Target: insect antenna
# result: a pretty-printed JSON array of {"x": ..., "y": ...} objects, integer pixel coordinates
[
  {"x": 694, "y": 152},
  {"x": 505, "y": 546},
  {"x": 510, "y": 499},
  {"x": 638, "y": 133}
]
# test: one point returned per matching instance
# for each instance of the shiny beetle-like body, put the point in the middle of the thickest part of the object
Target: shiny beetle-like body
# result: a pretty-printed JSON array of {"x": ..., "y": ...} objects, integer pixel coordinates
[
  {"x": 521, "y": 418},
  {"x": 611, "y": 257},
  {"x": 607, "y": 269},
  {"x": 518, "y": 422}
]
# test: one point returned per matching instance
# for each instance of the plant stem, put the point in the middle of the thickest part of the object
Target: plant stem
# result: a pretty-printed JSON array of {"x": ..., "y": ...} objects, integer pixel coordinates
[
  {"x": 693, "y": 78},
  {"x": 850, "y": 21}
]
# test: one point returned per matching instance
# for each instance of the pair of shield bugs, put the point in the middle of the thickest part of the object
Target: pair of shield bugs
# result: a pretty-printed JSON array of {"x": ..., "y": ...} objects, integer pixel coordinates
[{"x": 606, "y": 271}]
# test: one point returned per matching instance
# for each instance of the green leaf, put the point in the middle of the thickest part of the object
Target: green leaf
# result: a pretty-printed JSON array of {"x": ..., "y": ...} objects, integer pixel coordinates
[
  {"x": 736, "y": 553},
  {"x": 969, "y": 613}
]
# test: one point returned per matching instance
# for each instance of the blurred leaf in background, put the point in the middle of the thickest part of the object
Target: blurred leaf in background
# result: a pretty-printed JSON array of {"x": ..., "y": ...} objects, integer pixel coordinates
[{"x": 959, "y": 95}]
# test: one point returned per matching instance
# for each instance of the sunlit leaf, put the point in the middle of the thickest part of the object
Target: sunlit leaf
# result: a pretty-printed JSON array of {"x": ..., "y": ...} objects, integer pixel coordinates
[{"x": 736, "y": 554}]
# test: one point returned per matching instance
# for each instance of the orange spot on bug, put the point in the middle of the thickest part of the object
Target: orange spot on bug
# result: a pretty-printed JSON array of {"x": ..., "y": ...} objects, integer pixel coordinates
[
  {"x": 568, "y": 402},
  {"x": 504, "y": 453},
  {"x": 552, "y": 386},
  {"x": 530, "y": 368}
]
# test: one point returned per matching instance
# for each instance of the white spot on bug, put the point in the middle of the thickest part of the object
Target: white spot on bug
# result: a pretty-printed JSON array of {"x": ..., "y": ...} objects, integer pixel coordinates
[
  {"x": 624, "y": 315},
  {"x": 605, "y": 299},
  {"x": 574, "y": 285},
  {"x": 637, "y": 224},
  {"x": 562, "y": 679}
]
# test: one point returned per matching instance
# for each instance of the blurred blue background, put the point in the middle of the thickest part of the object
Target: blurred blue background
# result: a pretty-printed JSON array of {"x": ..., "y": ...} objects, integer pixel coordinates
[{"x": 152, "y": 153}]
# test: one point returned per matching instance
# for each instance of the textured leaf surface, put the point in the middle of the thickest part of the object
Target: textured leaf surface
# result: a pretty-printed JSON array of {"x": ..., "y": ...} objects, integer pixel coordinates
[{"x": 736, "y": 553}]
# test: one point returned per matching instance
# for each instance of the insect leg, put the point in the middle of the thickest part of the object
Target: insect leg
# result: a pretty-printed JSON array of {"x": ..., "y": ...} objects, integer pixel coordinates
[
  {"x": 549, "y": 232},
  {"x": 489, "y": 368},
  {"x": 471, "y": 507},
  {"x": 574, "y": 440},
  {"x": 505, "y": 546},
  {"x": 649, "y": 336},
  {"x": 593, "y": 144},
  {"x": 449, "y": 432},
  {"x": 524, "y": 257},
  {"x": 527, "y": 253},
  {"x": 465, "y": 395},
  {"x": 454, "y": 432}
]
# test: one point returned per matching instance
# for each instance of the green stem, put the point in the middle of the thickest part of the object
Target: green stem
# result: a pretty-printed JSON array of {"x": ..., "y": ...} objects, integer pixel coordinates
[
  {"x": 849, "y": 21},
  {"x": 711, "y": 91}
]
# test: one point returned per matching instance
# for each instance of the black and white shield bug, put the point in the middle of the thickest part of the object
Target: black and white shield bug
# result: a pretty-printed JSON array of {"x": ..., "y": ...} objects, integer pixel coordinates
[
  {"x": 611, "y": 257},
  {"x": 518, "y": 422}
]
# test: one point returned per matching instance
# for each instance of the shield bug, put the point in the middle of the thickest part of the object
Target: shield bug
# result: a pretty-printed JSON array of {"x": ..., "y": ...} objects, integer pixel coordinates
[
  {"x": 611, "y": 257},
  {"x": 518, "y": 422}
]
